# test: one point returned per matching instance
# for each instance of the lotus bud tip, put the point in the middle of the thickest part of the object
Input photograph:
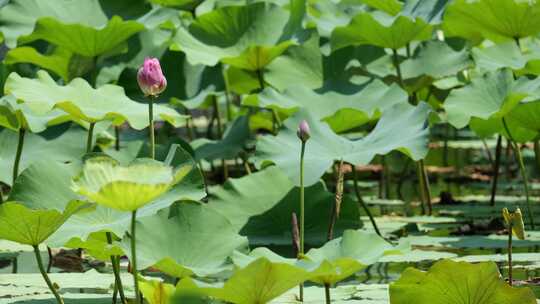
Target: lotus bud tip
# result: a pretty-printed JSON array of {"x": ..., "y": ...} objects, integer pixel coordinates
[{"x": 303, "y": 131}]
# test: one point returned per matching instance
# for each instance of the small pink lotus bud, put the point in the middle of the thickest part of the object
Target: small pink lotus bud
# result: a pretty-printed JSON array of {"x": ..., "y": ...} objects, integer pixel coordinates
[
  {"x": 150, "y": 78},
  {"x": 303, "y": 131}
]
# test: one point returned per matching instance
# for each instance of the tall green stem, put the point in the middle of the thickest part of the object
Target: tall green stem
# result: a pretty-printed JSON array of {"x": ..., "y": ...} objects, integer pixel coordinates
[
  {"x": 151, "y": 127},
  {"x": 90, "y": 138},
  {"x": 117, "y": 138},
  {"x": 362, "y": 203},
  {"x": 18, "y": 154},
  {"x": 46, "y": 276},
  {"x": 327, "y": 293},
  {"x": 302, "y": 210},
  {"x": 425, "y": 185},
  {"x": 116, "y": 271},
  {"x": 420, "y": 177},
  {"x": 510, "y": 254},
  {"x": 519, "y": 158},
  {"x": 134, "y": 256},
  {"x": 496, "y": 166}
]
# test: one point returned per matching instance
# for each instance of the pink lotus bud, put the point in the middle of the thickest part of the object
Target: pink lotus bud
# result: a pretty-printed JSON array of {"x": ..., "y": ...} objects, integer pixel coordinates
[
  {"x": 303, "y": 131},
  {"x": 150, "y": 78},
  {"x": 295, "y": 234}
]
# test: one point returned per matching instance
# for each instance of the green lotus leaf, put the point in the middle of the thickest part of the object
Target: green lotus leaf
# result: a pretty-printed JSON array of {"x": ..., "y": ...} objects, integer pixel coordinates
[
  {"x": 508, "y": 55},
  {"x": 19, "y": 17},
  {"x": 85, "y": 103},
  {"x": 430, "y": 11},
  {"x": 526, "y": 115},
  {"x": 491, "y": 96},
  {"x": 437, "y": 60},
  {"x": 104, "y": 181},
  {"x": 16, "y": 116},
  {"x": 30, "y": 189},
  {"x": 51, "y": 145},
  {"x": 496, "y": 20},
  {"x": 58, "y": 61},
  {"x": 401, "y": 128},
  {"x": 247, "y": 37},
  {"x": 208, "y": 239},
  {"x": 520, "y": 132},
  {"x": 233, "y": 142},
  {"x": 24, "y": 225},
  {"x": 342, "y": 111},
  {"x": 156, "y": 291},
  {"x": 382, "y": 30},
  {"x": 300, "y": 64},
  {"x": 259, "y": 282},
  {"x": 342, "y": 257},
  {"x": 451, "y": 282},
  {"x": 327, "y": 15},
  {"x": 264, "y": 216},
  {"x": 82, "y": 39}
]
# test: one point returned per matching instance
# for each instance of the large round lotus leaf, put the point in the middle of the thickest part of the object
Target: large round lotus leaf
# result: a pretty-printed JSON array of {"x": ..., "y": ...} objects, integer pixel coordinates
[
  {"x": 327, "y": 15},
  {"x": 84, "y": 40},
  {"x": 429, "y": 11},
  {"x": 391, "y": 7},
  {"x": 491, "y": 96},
  {"x": 67, "y": 146},
  {"x": 80, "y": 28},
  {"x": 342, "y": 257},
  {"x": 496, "y": 20},
  {"x": 83, "y": 102},
  {"x": 24, "y": 225},
  {"x": 366, "y": 102},
  {"x": 19, "y": 17},
  {"x": 503, "y": 55},
  {"x": 104, "y": 181},
  {"x": 60, "y": 61},
  {"x": 380, "y": 29},
  {"x": 452, "y": 282},
  {"x": 435, "y": 59},
  {"x": 206, "y": 240},
  {"x": 402, "y": 128},
  {"x": 15, "y": 116},
  {"x": 30, "y": 189},
  {"x": 520, "y": 131},
  {"x": 259, "y": 282},
  {"x": 247, "y": 37}
]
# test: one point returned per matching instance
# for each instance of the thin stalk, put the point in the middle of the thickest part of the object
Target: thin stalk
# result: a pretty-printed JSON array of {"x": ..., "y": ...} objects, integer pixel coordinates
[
  {"x": 496, "y": 166},
  {"x": 421, "y": 187},
  {"x": 334, "y": 214},
  {"x": 15, "y": 265},
  {"x": 134, "y": 257},
  {"x": 90, "y": 138},
  {"x": 116, "y": 270},
  {"x": 445, "y": 145},
  {"x": 301, "y": 252},
  {"x": 362, "y": 203},
  {"x": 246, "y": 166},
  {"x": 537, "y": 152},
  {"x": 227, "y": 94},
  {"x": 117, "y": 138},
  {"x": 18, "y": 154},
  {"x": 488, "y": 153},
  {"x": 50, "y": 261},
  {"x": 510, "y": 254},
  {"x": 519, "y": 159},
  {"x": 327, "y": 293},
  {"x": 151, "y": 127},
  {"x": 397, "y": 66},
  {"x": 220, "y": 136},
  {"x": 425, "y": 185},
  {"x": 46, "y": 276}
]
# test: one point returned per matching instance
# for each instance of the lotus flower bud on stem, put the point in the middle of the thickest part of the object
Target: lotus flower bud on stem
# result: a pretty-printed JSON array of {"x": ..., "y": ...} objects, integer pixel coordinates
[
  {"x": 150, "y": 78},
  {"x": 303, "y": 131}
]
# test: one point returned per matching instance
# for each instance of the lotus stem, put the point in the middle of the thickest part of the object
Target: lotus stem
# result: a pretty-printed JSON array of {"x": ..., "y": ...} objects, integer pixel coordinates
[
  {"x": 117, "y": 138},
  {"x": 519, "y": 159},
  {"x": 18, "y": 154},
  {"x": 46, "y": 276},
  {"x": 151, "y": 127},
  {"x": 537, "y": 152},
  {"x": 116, "y": 271},
  {"x": 362, "y": 203},
  {"x": 496, "y": 169},
  {"x": 134, "y": 256},
  {"x": 227, "y": 93},
  {"x": 14, "y": 265},
  {"x": 220, "y": 136},
  {"x": 90, "y": 137},
  {"x": 425, "y": 185},
  {"x": 327, "y": 293},
  {"x": 510, "y": 253},
  {"x": 421, "y": 188},
  {"x": 397, "y": 66},
  {"x": 302, "y": 218}
]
